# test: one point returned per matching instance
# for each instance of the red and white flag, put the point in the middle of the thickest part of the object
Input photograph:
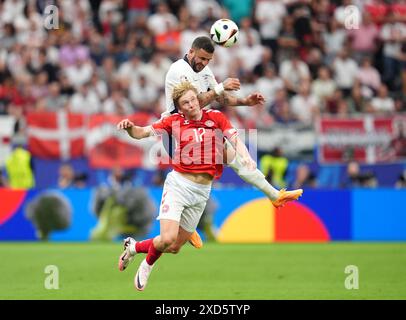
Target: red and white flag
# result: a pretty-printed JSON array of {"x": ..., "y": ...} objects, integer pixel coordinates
[
  {"x": 108, "y": 147},
  {"x": 367, "y": 139},
  {"x": 6, "y": 133},
  {"x": 56, "y": 135}
]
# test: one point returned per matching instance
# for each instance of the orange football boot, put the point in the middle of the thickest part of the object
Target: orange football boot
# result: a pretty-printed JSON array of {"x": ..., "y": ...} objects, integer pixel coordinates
[
  {"x": 195, "y": 240},
  {"x": 286, "y": 196}
]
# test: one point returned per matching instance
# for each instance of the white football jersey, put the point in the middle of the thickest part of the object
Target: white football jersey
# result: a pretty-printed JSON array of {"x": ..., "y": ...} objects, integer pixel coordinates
[{"x": 182, "y": 71}]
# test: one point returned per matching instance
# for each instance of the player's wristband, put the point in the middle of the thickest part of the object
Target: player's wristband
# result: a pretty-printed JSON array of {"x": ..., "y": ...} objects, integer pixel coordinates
[{"x": 219, "y": 89}]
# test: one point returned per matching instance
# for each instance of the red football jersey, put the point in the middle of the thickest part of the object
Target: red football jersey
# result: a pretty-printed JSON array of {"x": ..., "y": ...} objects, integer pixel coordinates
[{"x": 199, "y": 143}]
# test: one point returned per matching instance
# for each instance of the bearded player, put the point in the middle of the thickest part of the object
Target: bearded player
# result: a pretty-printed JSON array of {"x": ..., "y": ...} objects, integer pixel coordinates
[{"x": 187, "y": 188}]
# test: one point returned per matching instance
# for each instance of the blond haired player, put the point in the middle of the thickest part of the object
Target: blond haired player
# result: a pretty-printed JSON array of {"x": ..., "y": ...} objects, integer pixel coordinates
[
  {"x": 193, "y": 67},
  {"x": 187, "y": 188}
]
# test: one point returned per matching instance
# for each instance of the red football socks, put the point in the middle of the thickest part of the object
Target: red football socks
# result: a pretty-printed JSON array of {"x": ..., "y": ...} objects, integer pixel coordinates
[
  {"x": 153, "y": 254},
  {"x": 143, "y": 246}
]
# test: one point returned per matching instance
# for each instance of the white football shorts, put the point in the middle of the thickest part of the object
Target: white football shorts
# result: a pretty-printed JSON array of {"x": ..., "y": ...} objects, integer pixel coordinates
[{"x": 183, "y": 201}]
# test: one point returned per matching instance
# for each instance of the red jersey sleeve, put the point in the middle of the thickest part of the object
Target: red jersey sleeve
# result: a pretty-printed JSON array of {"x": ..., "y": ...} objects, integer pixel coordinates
[
  {"x": 224, "y": 124},
  {"x": 164, "y": 124}
]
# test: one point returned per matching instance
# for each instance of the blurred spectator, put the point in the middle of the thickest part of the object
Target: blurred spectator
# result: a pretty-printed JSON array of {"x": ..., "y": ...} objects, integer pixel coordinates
[
  {"x": 192, "y": 31},
  {"x": 12, "y": 10},
  {"x": 294, "y": 72},
  {"x": 368, "y": 75},
  {"x": 85, "y": 101},
  {"x": 117, "y": 104},
  {"x": 79, "y": 73},
  {"x": 206, "y": 11},
  {"x": 333, "y": 40},
  {"x": 358, "y": 100},
  {"x": 238, "y": 9},
  {"x": 352, "y": 178},
  {"x": 343, "y": 110},
  {"x": 355, "y": 178},
  {"x": 368, "y": 180},
  {"x": 304, "y": 178},
  {"x": 41, "y": 64},
  {"x": 107, "y": 71},
  {"x": 301, "y": 13},
  {"x": 251, "y": 54},
  {"x": 284, "y": 114},
  {"x": 39, "y": 88},
  {"x": 393, "y": 34},
  {"x": 80, "y": 180},
  {"x": 66, "y": 90},
  {"x": 246, "y": 30},
  {"x": 72, "y": 51},
  {"x": 159, "y": 21},
  {"x": 274, "y": 166},
  {"x": 305, "y": 105},
  {"x": 401, "y": 181},
  {"x": 66, "y": 176},
  {"x": 20, "y": 169},
  {"x": 345, "y": 70},
  {"x": 143, "y": 95},
  {"x": 130, "y": 71},
  {"x": 8, "y": 36},
  {"x": 324, "y": 86},
  {"x": 377, "y": 9},
  {"x": 399, "y": 10},
  {"x": 55, "y": 101},
  {"x": 287, "y": 43},
  {"x": 382, "y": 103},
  {"x": 269, "y": 15},
  {"x": 364, "y": 40},
  {"x": 137, "y": 9},
  {"x": 269, "y": 83},
  {"x": 399, "y": 142},
  {"x": 314, "y": 60},
  {"x": 98, "y": 86},
  {"x": 146, "y": 48}
]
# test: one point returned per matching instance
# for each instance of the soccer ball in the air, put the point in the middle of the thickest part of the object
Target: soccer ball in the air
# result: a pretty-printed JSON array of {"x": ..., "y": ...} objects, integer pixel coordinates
[{"x": 224, "y": 32}]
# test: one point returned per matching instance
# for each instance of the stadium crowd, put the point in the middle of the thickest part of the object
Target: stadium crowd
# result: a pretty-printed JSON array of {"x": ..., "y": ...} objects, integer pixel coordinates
[{"x": 111, "y": 56}]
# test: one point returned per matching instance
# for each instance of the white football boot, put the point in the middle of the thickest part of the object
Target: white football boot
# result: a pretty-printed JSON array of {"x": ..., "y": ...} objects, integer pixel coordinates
[
  {"x": 128, "y": 254},
  {"x": 141, "y": 278}
]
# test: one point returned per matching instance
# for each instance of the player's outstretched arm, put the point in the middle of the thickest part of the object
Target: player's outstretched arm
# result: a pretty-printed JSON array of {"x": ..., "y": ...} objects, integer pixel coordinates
[
  {"x": 253, "y": 99},
  {"x": 230, "y": 84},
  {"x": 133, "y": 130}
]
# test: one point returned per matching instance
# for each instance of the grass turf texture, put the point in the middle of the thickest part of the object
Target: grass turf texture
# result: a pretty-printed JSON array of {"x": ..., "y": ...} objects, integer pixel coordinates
[{"x": 245, "y": 271}]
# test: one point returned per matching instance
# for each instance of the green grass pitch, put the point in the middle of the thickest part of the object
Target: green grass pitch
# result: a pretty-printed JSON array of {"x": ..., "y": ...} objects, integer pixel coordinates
[{"x": 218, "y": 271}]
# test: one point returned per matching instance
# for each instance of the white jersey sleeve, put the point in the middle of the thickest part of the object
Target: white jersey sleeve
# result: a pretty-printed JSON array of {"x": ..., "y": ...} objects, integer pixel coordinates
[
  {"x": 212, "y": 79},
  {"x": 177, "y": 73}
]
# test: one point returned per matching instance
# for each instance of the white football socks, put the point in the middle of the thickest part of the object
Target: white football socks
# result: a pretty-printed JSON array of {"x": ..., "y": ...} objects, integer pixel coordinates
[{"x": 255, "y": 178}]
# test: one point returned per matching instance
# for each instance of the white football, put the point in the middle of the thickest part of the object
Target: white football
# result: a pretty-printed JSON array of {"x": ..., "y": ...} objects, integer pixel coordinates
[{"x": 224, "y": 32}]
